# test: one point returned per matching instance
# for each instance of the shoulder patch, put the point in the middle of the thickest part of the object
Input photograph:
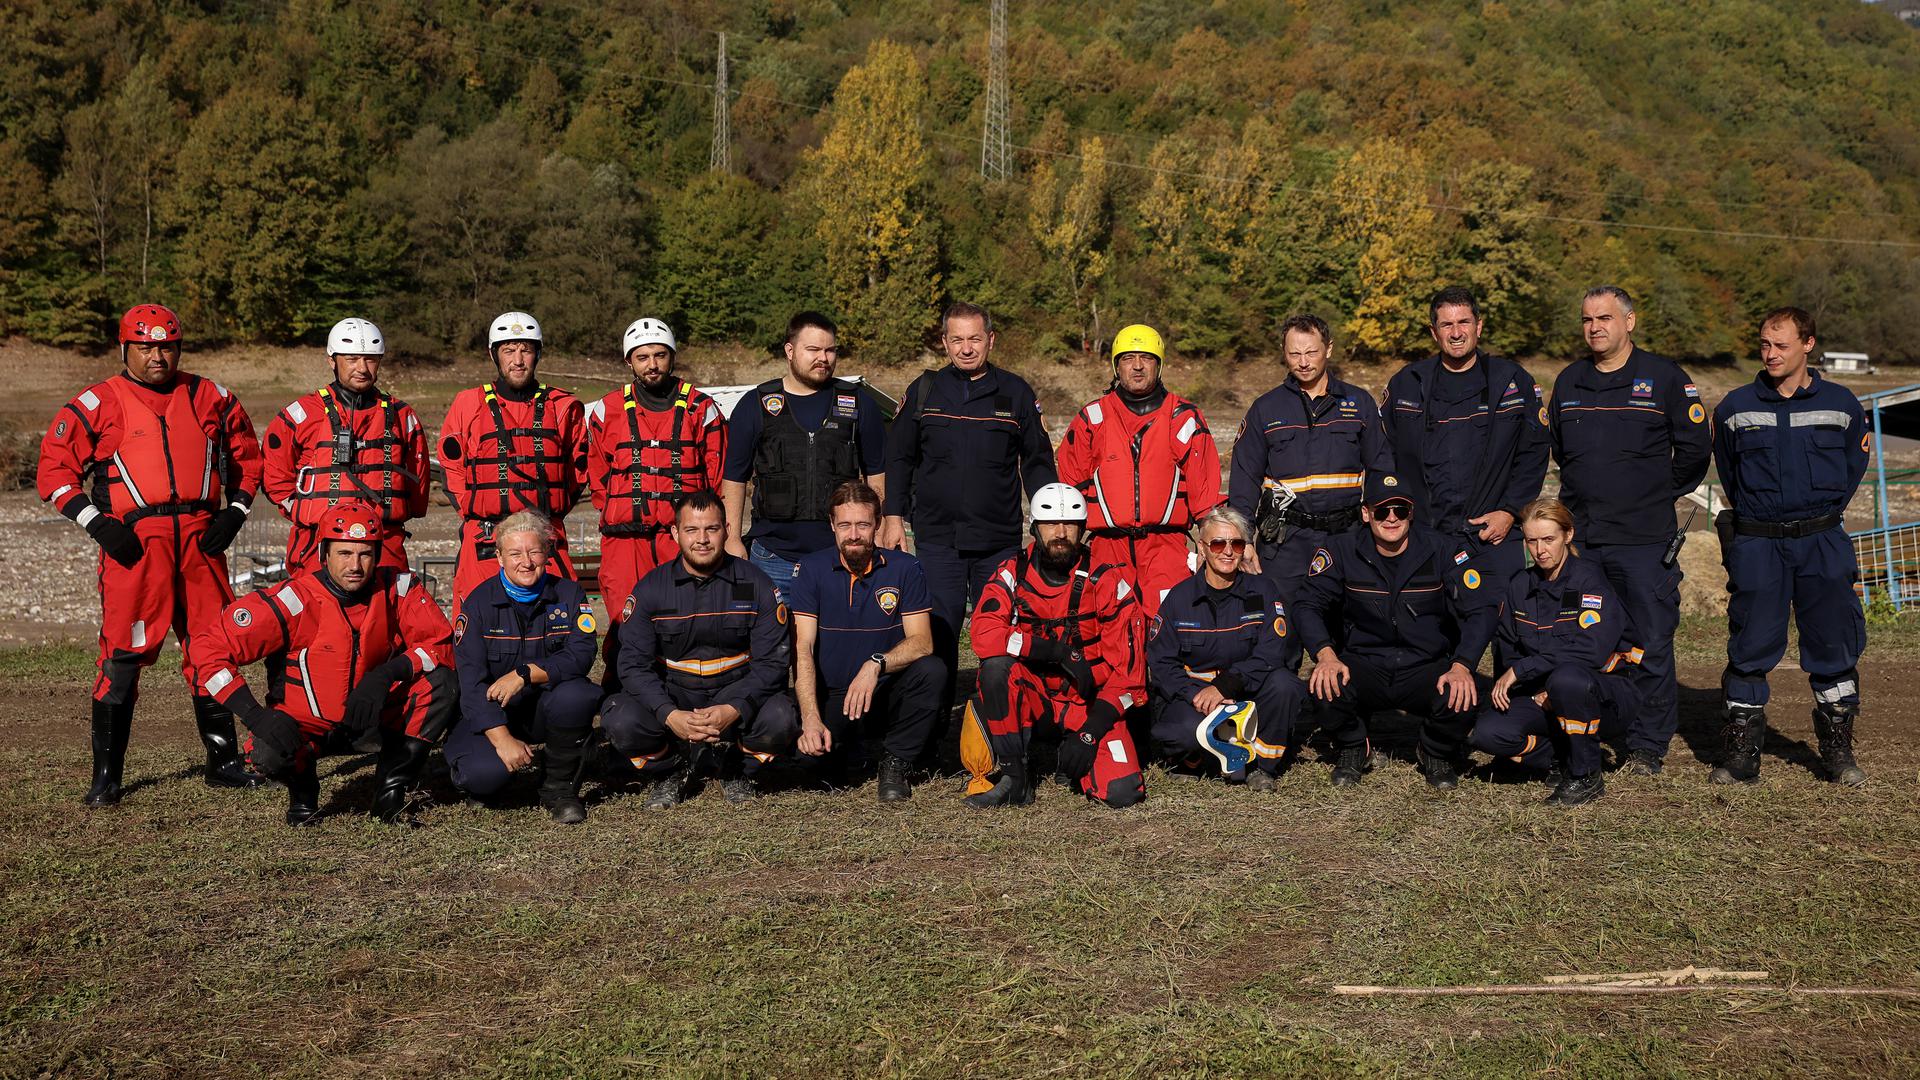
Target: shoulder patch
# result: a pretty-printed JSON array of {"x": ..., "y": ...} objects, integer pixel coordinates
[
  {"x": 585, "y": 623},
  {"x": 459, "y": 628},
  {"x": 1092, "y": 412},
  {"x": 1153, "y": 629},
  {"x": 242, "y": 617},
  {"x": 1697, "y": 412},
  {"x": 1280, "y": 626},
  {"x": 290, "y": 598},
  {"x": 774, "y": 404},
  {"x": 1471, "y": 579},
  {"x": 780, "y": 613},
  {"x": 1590, "y": 600},
  {"x": 401, "y": 583},
  {"x": 297, "y": 413},
  {"x": 626, "y": 612},
  {"x": 1322, "y": 562},
  {"x": 90, "y": 399},
  {"x": 1589, "y": 619},
  {"x": 60, "y": 430},
  {"x": 221, "y": 390},
  {"x": 1691, "y": 390}
]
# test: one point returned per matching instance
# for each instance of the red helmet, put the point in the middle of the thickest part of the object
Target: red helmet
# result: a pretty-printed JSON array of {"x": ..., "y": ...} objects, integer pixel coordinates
[
  {"x": 150, "y": 324},
  {"x": 350, "y": 520}
]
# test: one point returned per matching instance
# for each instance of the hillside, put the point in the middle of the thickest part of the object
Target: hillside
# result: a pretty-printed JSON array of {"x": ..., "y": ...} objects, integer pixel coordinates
[{"x": 1206, "y": 166}]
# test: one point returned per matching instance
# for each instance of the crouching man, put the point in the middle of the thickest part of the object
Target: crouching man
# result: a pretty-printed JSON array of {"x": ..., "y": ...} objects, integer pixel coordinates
[
  {"x": 365, "y": 650},
  {"x": 523, "y": 646},
  {"x": 1059, "y": 646},
  {"x": 703, "y": 666}
]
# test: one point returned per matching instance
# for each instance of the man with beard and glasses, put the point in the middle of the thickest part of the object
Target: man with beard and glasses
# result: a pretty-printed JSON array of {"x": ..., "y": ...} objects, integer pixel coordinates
[
  {"x": 1059, "y": 641},
  {"x": 863, "y": 647},
  {"x": 703, "y": 666},
  {"x": 510, "y": 445},
  {"x": 649, "y": 444},
  {"x": 795, "y": 439}
]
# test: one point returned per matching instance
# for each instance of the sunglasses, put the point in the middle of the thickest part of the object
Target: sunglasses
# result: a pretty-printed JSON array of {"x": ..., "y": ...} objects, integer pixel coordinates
[
  {"x": 1393, "y": 511},
  {"x": 1220, "y": 545}
]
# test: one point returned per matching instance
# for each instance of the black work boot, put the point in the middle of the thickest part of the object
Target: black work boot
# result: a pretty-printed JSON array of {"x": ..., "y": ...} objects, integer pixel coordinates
[
  {"x": 1741, "y": 738},
  {"x": 560, "y": 787},
  {"x": 111, "y": 726},
  {"x": 670, "y": 790},
  {"x": 1578, "y": 790},
  {"x": 303, "y": 796},
  {"x": 893, "y": 779},
  {"x": 1350, "y": 766},
  {"x": 1641, "y": 763},
  {"x": 402, "y": 759},
  {"x": 1833, "y": 725},
  {"x": 1438, "y": 771},
  {"x": 1261, "y": 780},
  {"x": 1011, "y": 789},
  {"x": 224, "y": 767}
]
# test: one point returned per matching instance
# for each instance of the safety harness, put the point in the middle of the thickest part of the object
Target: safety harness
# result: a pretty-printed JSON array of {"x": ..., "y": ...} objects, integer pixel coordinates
[{"x": 680, "y": 476}]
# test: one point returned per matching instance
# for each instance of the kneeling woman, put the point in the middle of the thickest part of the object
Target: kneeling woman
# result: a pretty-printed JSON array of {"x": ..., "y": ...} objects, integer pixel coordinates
[
  {"x": 522, "y": 647},
  {"x": 1222, "y": 636},
  {"x": 1560, "y": 628}
]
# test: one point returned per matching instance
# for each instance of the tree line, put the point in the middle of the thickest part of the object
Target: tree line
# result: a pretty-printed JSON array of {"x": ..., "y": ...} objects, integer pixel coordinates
[{"x": 1210, "y": 167}]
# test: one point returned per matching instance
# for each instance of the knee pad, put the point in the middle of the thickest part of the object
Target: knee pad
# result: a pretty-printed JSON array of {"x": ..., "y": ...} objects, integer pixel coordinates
[
  {"x": 1125, "y": 791},
  {"x": 995, "y": 674},
  {"x": 119, "y": 678}
]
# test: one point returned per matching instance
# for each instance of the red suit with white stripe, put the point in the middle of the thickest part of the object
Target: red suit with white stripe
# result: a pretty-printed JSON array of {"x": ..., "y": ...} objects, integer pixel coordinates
[
  {"x": 501, "y": 452},
  {"x": 1147, "y": 479},
  {"x": 334, "y": 445},
  {"x": 643, "y": 453},
  {"x": 1065, "y": 651}
]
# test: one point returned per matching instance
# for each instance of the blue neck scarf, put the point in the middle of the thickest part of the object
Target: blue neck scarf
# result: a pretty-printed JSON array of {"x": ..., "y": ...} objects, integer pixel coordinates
[{"x": 523, "y": 596}]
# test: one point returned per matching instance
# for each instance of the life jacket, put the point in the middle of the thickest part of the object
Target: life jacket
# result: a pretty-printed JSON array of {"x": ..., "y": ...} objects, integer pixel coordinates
[
  {"x": 1137, "y": 485},
  {"x": 652, "y": 458},
  {"x": 170, "y": 463},
  {"x": 1078, "y": 629},
  {"x": 795, "y": 470},
  {"x": 502, "y": 478},
  {"x": 343, "y": 466}
]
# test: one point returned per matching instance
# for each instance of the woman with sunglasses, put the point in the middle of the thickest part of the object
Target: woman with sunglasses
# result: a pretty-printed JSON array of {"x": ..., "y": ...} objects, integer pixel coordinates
[
  {"x": 1562, "y": 630},
  {"x": 1222, "y": 636}
]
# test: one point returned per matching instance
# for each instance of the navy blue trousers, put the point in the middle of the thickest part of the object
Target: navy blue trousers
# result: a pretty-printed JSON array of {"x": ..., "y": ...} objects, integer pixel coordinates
[
  {"x": 535, "y": 715},
  {"x": 1813, "y": 577},
  {"x": 1651, "y": 594}
]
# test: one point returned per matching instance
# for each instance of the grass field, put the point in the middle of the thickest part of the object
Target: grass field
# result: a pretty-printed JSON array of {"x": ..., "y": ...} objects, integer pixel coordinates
[{"x": 189, "y": 932}]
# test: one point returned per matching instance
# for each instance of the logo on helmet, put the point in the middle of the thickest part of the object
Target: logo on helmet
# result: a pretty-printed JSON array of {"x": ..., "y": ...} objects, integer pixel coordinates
[
  {"x": 356, "y": 531},
  {"x": 156, "y": 332}
]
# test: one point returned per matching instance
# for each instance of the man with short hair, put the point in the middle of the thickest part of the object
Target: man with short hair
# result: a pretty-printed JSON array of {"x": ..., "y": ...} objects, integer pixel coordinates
[
  {"x": 703, "y": 666},
  {"x": 1469, "y": 437},
  {"x": 364, "y": 649},
  {"x": 1631, "y": 436},
  {"x": 863, "y": 646},
  {"x": 1384, "y": 614},
  {"x": 1790, "y": 448},
  {"x": 173, "y": 465},
  {"x": 509, "y": 445},
  {"x": 649, "y": 444},
  {"x": 795, "y": 439},
  {"x": 1059, "y": 641},
  {"x": 349, "y": 440},
  {"x": 966, "y": 450},
  {"x": 1145, "y": 461},
  {"x": 1301, "y": 455}
]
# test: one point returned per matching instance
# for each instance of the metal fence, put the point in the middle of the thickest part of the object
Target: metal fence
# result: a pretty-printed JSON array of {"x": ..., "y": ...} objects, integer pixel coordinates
[{"x": 1889, "y": 564}]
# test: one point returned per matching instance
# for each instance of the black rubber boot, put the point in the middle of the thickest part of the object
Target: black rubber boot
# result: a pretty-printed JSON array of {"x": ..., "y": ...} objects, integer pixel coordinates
[
  {"x": 1350, "y": 766},
  {"x": 303, "y": 796},
  {"x": 402, "y": 760},
  {"x": 1833, "y": 725},
  {"x": 560, "y": 787},
  {"x": 1742, "y": 736},
  {"x": 1011, "y": 789},
  {"x": 893, "y": 779},
  {"x": 1578, "y": 790},
  {"x": 111, "y": 726},
  {"x": 224, "y": 767}
]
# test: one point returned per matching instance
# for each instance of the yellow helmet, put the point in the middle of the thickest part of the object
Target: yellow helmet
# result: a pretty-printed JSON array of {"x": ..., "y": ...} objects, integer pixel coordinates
[{"x": 1139, "y": 338}]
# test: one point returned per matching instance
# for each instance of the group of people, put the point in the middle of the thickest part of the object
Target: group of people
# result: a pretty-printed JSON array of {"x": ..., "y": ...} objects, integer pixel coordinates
[{"x": 1112, "y": 591}]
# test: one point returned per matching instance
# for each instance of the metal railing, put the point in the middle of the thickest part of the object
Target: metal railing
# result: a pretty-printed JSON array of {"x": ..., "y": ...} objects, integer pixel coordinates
[{"x": 1889, "y": 564}]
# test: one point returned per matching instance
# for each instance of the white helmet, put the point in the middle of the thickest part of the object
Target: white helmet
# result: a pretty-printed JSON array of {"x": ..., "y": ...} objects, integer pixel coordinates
[
  {"x": 514, "y": 326},
  {"x": 355, "y": 337},
  {"x": 649, "y": 332},
  {"x": 1058, "y": 502}
]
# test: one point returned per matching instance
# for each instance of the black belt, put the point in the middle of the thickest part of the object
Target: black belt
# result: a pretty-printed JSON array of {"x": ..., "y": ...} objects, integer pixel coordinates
[
  {"x": 633, "y": 528},
  {"x": 1137, "y": 532},
  {"x": 1333, "y": 522},
  {"x": 1785, "y": 530}
]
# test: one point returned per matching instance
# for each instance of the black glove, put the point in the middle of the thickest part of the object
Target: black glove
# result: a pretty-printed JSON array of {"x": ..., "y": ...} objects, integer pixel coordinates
[
  {"x": 117, "y": 539},
  {"x": 1044, "y": 651},
  {"x": 1077, "y": 748},
  {"x": 276, "y": 739},
  {"x": 1231, "y": 686},
  {"x": 368, "y": 699},
  {"x": 222, "y": 529}
]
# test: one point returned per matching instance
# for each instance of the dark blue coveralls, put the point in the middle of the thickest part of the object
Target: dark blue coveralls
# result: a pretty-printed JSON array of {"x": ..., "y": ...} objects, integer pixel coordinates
[
  {"x": 1789, "y": 465},
  {"x": 495, "y": 635},
  {"x": 1467, "y": 445},
  {"x": 1560, "y": 637},
  {"x": 689, "y": 642},
  {"x": 958, "y": 453},
  {"x": 1629, "y": 443},
  {"x": 1398, "y": 624},
  {"x": 1322, "y": 449},
  {"x": 1237, "y": 639}
]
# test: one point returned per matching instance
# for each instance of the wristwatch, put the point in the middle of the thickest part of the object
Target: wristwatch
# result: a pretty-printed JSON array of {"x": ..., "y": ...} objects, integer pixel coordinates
[
  {"x": 881, "y": 659},
  {"x": 525, "y": 671}
]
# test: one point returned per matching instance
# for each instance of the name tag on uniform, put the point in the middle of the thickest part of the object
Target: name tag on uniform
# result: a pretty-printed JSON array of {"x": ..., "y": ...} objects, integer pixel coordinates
[{"x": 845, "y": 405}]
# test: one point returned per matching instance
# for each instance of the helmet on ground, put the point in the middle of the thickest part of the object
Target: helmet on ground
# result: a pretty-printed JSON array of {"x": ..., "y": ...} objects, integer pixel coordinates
[
  {"x": 355, "y": 337},
  {"x": 1058, "y": 502},
  {"x": 1138, "y": 338},
  {"x": 350, "y": 520},
  {"x": 149, "y": 324},
  {"x": 648, "y": 332},
  {"x": 514, "y": 326}
]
